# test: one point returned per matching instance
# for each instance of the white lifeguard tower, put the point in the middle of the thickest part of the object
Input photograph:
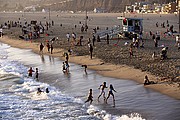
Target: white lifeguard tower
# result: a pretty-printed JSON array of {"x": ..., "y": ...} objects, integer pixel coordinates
[
  {"x": 128, "y": 27},
  {"x": 131, "y": 25}
]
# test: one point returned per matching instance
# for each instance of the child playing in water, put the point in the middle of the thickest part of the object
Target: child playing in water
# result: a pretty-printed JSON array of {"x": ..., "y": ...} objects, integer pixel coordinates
[
  {"x": 39, "y": 91},
  {"x": 85, "y": 67},
  {"x": 90, "y": 97},
  {"x": 102, "y": 92},
  {"x": 30, "y": 71},
  {"x": 111, "y": 89}
]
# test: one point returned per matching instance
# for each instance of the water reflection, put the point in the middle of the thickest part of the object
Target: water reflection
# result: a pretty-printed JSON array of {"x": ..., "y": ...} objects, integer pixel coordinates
[
  {"x": 42, "y": 58},
  {"x": 51, "y": 59}
]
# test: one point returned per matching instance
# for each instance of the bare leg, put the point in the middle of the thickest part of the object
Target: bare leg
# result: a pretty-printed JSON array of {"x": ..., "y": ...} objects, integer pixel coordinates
[
  {"x": 107, "y": 97},
  {"x": 99, "y": 96},
  {"x": 104, "y": 97},
  {"x": 113, "y": 100}
]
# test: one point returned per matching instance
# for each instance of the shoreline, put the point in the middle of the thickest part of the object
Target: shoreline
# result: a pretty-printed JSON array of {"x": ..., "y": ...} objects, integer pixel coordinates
[{"x": 106, "y": 69}]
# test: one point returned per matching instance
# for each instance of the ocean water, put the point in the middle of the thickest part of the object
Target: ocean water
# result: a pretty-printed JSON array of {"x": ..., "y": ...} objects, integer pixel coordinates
[{"x": 19, "y": 99}]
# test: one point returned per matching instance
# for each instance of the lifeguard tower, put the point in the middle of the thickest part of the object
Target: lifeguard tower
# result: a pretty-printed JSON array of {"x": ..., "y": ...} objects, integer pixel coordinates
[
  {"x": 128, "y": 27},
  {"x": 131, "y": 25}
]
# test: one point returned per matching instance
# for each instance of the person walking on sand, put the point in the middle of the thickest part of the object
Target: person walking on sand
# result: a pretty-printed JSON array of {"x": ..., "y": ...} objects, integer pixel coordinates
[
  {"x": 41, "y": 48},
  {"x": 74, "y": 38},
  {"x": 93, "y": 40},
  {"x": 68, "y": 37},
  {"x": 1, "y": 32},
  {"x": 90, "y": 50},
  {"x": 155, "y": 42},
  {"x": 130, "y": 51},
  {"x": 177, "y": 40},
  {"x": 111, "y": 89},
  {"x": 90, "y": 97},
  {"x": 102, "y": 91},
  {"x": 48, "y": 46},
  {"x": 154, "y": 55},
  {"x": 30, "y": 71},
  {"x": 51, "y": 48},
  {"x": 107, "y": 37},
  {"x": 178, "y": 46},
  {"x": 164, "y": 53}
]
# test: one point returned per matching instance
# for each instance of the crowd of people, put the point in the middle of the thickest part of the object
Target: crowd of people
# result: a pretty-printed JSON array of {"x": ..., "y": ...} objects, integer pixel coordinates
[{"x": 33, "y": 30}]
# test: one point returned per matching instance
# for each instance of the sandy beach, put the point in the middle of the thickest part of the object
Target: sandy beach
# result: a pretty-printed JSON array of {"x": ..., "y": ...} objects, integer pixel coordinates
[{"x": 103, "y": 67}]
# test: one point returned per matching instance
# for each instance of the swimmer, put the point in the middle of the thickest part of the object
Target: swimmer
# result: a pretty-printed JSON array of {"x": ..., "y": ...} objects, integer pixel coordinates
[
  {"x": 47, "y": 90},
  {"x": 39, "y": 91}
]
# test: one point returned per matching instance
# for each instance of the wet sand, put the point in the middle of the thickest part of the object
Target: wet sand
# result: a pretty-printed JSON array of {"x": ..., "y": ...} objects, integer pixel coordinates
[{"x": 106, "y": 69}]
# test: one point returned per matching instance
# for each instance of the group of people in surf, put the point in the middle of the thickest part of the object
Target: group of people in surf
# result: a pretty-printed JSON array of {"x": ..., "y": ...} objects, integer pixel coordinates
[
  {"x": 102, "y": 88},
  {"x": 30, "y": 74}
]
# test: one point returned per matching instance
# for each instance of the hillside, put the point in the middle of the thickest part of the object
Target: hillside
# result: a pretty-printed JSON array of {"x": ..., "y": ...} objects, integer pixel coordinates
[{"x": 71, "y": 5}]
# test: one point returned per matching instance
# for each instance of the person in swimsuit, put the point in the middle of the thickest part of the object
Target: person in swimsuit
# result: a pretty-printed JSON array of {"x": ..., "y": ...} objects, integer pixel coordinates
[
  {"x": 111, "y": 89},
  {"x": 30, "y": 71},
  {"x": 39, "y": 91},
  {"x": 90, "y": 97},
  {"x": 102, "y": 91},
  {"x": 47, "y": 90}
]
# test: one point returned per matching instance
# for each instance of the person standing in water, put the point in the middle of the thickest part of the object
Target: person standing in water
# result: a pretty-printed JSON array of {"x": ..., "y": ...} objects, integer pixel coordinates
[
  {"x": 64, "y": 67},
  {"x": 39, "y": 91},
  {"x": 66, "y": 56},
  {"x": 111, "y": 89},
  {"x": 102, "y": 91},
  {"x": 37, "y": 74},
  {"x": 67, "y": 66},
  {"x": 85, "y": 68},
  {"x": 90, "y": 97},
  {"x": 30, "y": 71}
]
